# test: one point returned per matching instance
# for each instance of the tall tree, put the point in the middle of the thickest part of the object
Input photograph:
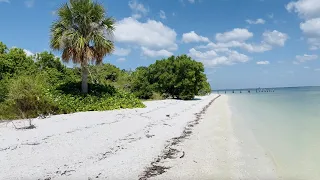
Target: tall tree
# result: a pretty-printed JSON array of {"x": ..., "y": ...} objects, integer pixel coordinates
[{"x": 83, "y": 33}]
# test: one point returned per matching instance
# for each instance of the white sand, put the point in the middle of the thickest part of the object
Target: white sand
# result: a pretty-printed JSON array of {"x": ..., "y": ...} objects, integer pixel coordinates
[
  {"x": 117, "y": 144},
  {"x": 133, "y": 144},
  {"x": 214, "y": 151}
]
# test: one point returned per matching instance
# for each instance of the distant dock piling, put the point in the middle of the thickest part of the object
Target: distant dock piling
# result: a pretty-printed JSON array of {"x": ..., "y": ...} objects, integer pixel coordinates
[{"x": 241, "y": 91}]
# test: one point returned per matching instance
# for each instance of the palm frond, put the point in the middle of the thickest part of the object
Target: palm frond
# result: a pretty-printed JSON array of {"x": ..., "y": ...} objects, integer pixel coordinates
[{"x": 83, "y": 32}]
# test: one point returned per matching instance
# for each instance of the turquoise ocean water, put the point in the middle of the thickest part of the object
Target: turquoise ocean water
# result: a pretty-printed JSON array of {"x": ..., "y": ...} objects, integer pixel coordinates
[{"x": 286, "y": 123}]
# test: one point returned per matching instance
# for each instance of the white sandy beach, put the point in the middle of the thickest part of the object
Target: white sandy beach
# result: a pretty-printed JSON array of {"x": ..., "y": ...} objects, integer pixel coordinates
[
  {"x": 214, "y": 151},
  {"x": 155, "y": 142}
]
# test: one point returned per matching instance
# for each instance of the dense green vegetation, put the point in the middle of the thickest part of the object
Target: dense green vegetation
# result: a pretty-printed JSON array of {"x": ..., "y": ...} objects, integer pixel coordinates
[
  {"x": 40, "y": 85},
  {"x": 177, "y": 77}
]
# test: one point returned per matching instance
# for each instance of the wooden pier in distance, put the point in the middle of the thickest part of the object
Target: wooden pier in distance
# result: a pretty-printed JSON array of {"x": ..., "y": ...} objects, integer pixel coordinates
[{"x": 257, "y": 90}]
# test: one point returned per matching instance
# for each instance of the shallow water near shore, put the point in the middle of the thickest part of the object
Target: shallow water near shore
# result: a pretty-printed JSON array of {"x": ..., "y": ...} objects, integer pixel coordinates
[{"x": 286, "y": 123}]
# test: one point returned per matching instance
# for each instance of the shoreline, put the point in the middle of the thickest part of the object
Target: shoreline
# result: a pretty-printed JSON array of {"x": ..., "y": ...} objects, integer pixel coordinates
[{"x": 216, "y": 151}]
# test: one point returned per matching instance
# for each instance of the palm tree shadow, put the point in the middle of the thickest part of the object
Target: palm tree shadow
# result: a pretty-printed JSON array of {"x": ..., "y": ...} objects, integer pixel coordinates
[{"x": 194, "y": 99}]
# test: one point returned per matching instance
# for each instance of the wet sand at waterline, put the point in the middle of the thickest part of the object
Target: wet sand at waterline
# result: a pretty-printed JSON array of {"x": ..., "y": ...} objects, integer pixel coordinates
[{"x": 214, "y": 151}]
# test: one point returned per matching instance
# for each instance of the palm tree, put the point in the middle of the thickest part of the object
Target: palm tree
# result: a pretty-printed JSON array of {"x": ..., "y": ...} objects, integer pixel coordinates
[{"x": 83, "y": 33}]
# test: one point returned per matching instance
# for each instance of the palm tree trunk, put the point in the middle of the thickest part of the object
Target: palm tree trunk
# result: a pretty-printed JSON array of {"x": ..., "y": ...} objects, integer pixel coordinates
[{"x": 84, "y": 86}]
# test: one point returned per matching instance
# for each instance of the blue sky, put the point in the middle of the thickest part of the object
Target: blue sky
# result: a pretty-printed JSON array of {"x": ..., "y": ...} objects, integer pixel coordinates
[{"x": 247, "y": 43}]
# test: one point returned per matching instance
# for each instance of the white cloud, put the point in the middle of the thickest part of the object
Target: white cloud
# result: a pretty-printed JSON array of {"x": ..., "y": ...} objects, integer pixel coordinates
[
  {"x": 121, "y": 51},
  {"x": 138, "y": 9},
  {"x": 270, "y": 16},
  {"x": 236, "y": 44},
  {"x": 154, "y": 53},
  {"x": 311, "y": 28},
  {"x": 306, "y": 67},
  {"x": 219, "y": 50},
  {"x": 275, "y": 38},
  {"x": 237, "y": 38},
  {"x": 314, "y": 43},
  {"x": 162, "y": 14},
  {"x": 310, "y": 11},
  {"x": 211, "y": 58},
  {"x": 263, "y": 62},
  {"x": 151, "y": 34},
  {"x": 190, "y": 1},
  {"x": 136, "y": 16},
  {"x": 256, "y": 48},
  {"x": 305, "y": 8},
  {"x": 234, "y": 35},
  {"x": 318, "y": 69},
  {"x": 193, "y": 37},
  {"x": 29, "y": 3},
  {"x": 237, "y": 57},
  {"x": 5, "y": 1},
  {"x": 258, "y": 21},
  {"x": 202, "y": 55},
  {"x": 304, "y": 58},
  {"x": 28, "y": 53},
  {"x": 135, "y": 6},
  {"x": 122, "y": 59}
]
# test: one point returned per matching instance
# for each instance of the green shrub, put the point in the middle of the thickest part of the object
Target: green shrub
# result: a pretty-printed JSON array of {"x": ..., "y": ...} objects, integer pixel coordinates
[
  {"x": 108, "y": 74},
  {"x": 100, "y": 98},
  {"x": 45, "y": 60},
  {"x": 27, "y": 98},
  {"x": 74, "y": 88},
  {"x": 7, "y": 111},
  {"x": 179, "y": 77},
  {"x": 205, "y": 90},
  {"x": 81, "y": 103},
  {"x": 15, "y": 62},
  {"x": 40, "y": 85},
  {"x": 157, "y": 96},
  {"x": 186, "y": 94},
  {"x": 3, "y": 90},
  {"x": 140, "y": 85},
  {"x": 30, "y": 97},
  {"x": 105, "y": 73}
]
